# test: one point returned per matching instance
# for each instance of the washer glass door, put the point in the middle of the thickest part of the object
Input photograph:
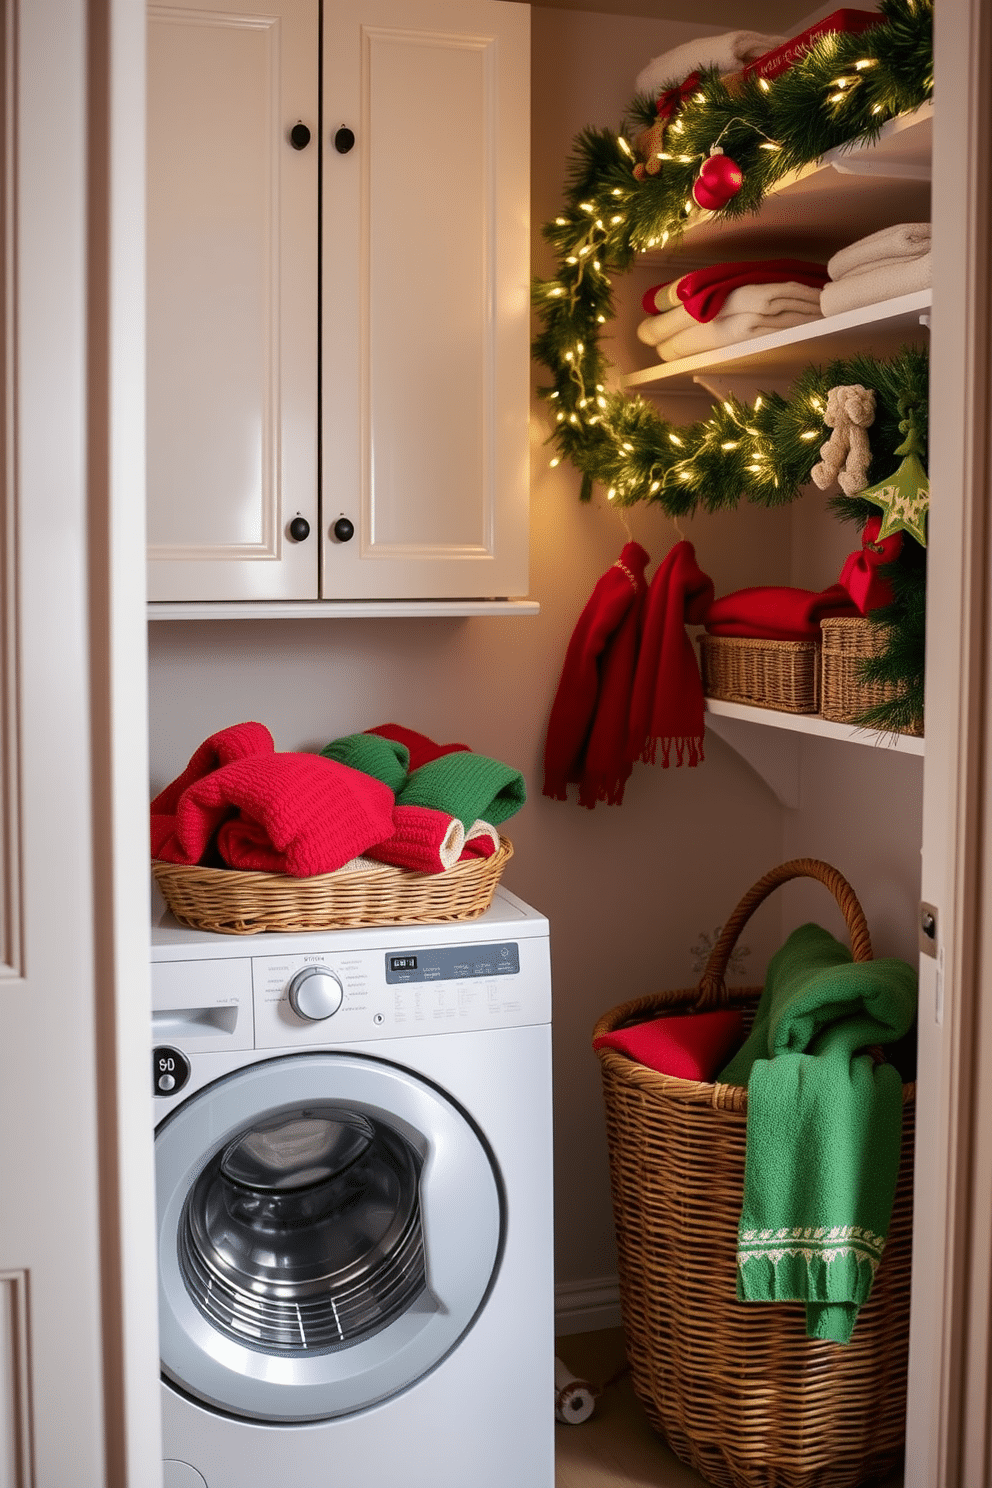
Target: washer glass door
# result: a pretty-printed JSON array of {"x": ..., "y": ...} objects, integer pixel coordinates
[{"x": 329, "y": 1228}]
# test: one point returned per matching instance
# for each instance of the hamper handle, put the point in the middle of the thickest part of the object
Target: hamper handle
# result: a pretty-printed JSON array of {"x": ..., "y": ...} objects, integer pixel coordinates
[{"x": 712, "y": 988}]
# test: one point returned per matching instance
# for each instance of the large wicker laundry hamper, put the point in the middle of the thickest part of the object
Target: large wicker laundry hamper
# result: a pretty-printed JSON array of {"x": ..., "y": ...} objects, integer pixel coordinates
[{"x": 737, "y": 1389}]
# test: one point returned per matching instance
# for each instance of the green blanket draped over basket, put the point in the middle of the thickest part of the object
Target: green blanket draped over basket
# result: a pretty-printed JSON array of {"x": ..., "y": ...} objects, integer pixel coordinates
[{"x": 824, "y": 1124}]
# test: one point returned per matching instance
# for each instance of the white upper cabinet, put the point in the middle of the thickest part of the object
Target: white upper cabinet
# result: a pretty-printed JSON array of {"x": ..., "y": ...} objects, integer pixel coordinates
[
  {"x": 426, "y": 298},
  {"x": 232, "y": 300},
  {"x": 420, "y": 158}
]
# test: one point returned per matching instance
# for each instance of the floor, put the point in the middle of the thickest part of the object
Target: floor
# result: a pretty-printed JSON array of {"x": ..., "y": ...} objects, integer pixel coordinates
[{"x": 615, "y": 1448}]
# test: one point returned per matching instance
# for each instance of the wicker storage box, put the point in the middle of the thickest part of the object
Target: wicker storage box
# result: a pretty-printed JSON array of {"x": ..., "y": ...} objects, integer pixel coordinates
[
  {"x": 236, "y": 903},
  {"x": 847, "y": 641},
  {"x": 767, "y": 674},
  {"x": 737, "y": 1389}
]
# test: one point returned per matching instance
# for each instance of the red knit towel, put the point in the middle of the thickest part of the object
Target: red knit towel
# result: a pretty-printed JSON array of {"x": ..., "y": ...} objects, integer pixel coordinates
[
  {"x": 298, "y": 814},
  {"x": 423, "y": 840},
  {"x": 704, "y": 291},
  {"x": 693, "y": 1047},
  {"x": 237, "y": 742},
  {"x": 776, "y": 613},
  {"x": 422, "y": 749},
  {"x": 666, "y": 706},
  {"x": 587, "y": 728}
]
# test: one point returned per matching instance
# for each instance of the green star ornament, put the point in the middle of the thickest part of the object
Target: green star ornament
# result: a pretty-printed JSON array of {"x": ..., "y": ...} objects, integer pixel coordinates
[{"x": 905, "y": 496}]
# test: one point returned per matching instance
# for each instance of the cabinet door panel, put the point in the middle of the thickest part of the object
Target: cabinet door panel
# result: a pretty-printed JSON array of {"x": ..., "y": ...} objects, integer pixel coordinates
[
  {"x": 425, "y": 321},
  {"x": 232, "y": 301}
]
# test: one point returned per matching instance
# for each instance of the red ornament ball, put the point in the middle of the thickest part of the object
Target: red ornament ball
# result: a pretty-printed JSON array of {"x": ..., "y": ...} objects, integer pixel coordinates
[{"x": 719, "y": 179}]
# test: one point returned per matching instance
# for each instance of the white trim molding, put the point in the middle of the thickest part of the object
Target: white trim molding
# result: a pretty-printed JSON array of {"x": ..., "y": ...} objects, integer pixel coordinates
[{"x": 587, "y": 1306}]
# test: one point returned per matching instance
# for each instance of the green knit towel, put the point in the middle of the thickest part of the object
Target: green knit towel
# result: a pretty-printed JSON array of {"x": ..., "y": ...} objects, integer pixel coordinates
[
  {"x": 467, "y": 785},
  {"x": 824, "y": 1128},
  {"x": 373, "y": 755}
]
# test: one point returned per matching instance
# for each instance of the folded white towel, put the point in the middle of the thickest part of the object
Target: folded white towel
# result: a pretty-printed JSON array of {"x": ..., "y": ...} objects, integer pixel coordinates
[
  {"x": 766, "y": 300},
  {"x": 770, "y": 299},
  {"x": 729, "y": 52},
  {"x": 726, "y": 331},
  {"x": 904, "y": 240},
  {"x": 895, "y": 277}
]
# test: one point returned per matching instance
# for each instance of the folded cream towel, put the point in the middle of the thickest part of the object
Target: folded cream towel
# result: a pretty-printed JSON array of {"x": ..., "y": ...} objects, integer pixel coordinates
[
  {"x": 727, "y": 331},
  {"x": 728, "y": 52},
  {"x": 747, "y": 299},
  {"x": 874, "y": 285},
  {"x": 904, "y": 240}
]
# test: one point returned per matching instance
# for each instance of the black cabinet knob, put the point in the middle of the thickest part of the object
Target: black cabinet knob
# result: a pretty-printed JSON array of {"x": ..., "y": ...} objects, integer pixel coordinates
[
  {"x": 299, "y": 136},
  {"x": 344, "y": 140},
  {"x": 344, "y": 530},
  {"x": 299, "y": 529}
]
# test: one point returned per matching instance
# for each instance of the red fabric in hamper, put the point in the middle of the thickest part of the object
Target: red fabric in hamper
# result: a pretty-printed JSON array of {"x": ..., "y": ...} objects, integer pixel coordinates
[
  {"x": 422, "y": 749},
  {"x": 298, "y": 814},
  {"x": 693, "y": 1047},
  {"x": 237, "y": 742}
]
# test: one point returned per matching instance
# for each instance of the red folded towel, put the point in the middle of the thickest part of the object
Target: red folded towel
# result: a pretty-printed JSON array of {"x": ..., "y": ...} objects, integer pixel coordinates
[
  {"x": 704, "y": 291},
  {"x": 422, "y": 749},
  {"x": 423, "y": 840},
  {"x": 298, "y": 814},
  {"x": 666, "y": 706},
  {"x": 237, "y": 742},
  {"x": 690, "y": 1047},
  {"x": 587, "y": 728},
  {"x": 776, "y": 613},
  {"x": 481, "y": 841}
]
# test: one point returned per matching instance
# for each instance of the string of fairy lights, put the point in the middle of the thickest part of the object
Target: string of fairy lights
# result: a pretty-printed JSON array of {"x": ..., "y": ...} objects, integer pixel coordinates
[{"x": 619, "y": 205}]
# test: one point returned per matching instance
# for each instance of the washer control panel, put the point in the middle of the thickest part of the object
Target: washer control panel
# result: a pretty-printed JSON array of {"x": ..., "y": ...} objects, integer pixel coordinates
[
  {"x": 305, "y": 998},
  {"x": 453, "y": 963}
]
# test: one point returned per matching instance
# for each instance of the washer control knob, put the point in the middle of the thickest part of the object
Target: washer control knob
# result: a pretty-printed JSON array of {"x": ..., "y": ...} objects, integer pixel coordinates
[
  {"x": 170, "y": 1070},
  {"x": 315, "y": 993}
]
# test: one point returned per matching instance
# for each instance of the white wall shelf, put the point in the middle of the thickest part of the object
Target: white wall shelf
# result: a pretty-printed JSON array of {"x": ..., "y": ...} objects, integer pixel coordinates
[
  {"x": 782, "y": 355},
  {"x": 770, "y": 741},
  {"x": 341, "y": 609},
  {"x": 852, "y": 191}
]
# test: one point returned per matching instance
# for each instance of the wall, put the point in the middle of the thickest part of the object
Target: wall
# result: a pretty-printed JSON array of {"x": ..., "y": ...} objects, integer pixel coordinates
[{"x": 630, "y": 891}]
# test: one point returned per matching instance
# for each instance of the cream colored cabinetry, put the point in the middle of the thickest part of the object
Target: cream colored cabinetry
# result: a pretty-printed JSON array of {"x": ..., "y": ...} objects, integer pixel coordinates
[
  {"x": 408, "y": 480},
  {"x": 232, "y": 300}
]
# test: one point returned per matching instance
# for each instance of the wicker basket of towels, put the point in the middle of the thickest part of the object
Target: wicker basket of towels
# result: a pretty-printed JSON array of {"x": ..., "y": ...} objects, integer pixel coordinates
[
  {"x": 232, "y": 902},
  {"x": 784, "y": 675},
  {"x": 849, "y": 641},
  {"x": 738, "y": 1389}
]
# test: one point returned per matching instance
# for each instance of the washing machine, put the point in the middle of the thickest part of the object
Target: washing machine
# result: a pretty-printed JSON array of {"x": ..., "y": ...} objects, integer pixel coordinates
[{"x": 353, "y": 1167}]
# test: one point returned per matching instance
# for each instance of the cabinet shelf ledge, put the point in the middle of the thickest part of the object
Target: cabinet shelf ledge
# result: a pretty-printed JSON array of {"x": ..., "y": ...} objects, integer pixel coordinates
[{"x": 336, "y": 609}]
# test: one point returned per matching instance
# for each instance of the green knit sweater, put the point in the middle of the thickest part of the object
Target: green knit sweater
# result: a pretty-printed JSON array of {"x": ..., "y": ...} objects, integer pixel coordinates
[{"x": 823, "y": 1128}]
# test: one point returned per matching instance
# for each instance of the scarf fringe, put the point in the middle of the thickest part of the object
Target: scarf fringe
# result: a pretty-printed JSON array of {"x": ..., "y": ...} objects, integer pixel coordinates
[
  {"x": 609, "y": 790},
  {"x": 688, "y": 751}
]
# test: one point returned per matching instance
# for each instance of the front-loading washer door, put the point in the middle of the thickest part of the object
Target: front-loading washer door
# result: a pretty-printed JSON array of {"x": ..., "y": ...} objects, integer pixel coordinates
[{"x": 329, "y": 1226}]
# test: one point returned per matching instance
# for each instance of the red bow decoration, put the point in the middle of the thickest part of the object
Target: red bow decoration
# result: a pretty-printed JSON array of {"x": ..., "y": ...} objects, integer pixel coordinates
[{"x": 671, "y": 101}]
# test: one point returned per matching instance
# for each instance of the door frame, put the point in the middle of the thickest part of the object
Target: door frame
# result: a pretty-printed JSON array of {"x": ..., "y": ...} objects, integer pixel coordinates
[{"x": 948, "y": 1429}]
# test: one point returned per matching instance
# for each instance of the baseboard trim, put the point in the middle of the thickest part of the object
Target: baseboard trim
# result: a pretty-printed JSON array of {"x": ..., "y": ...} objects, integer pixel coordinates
[{"x": 587, "y": 1306}]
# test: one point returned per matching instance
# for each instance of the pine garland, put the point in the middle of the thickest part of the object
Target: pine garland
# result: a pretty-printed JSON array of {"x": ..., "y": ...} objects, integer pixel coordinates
[
  {"x": 841, "y": 91},
  {"x": 609, "y": 217}
]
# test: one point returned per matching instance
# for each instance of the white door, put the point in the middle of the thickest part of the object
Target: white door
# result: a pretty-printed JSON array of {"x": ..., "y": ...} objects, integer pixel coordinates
[
  {"x": 232, "y": 299},
  {"x": 425, "y": 295},
  {"x": 78, "y": 1389}
]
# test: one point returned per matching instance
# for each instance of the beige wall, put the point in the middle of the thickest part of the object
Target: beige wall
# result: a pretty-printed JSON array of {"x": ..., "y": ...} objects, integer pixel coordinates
[{"x": 629, "y": 890}]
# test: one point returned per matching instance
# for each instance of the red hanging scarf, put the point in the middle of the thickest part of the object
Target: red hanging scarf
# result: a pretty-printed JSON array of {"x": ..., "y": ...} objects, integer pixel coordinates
[
  {"x": 667, "y": 701},
  {"x": 587, "y": 728}
]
